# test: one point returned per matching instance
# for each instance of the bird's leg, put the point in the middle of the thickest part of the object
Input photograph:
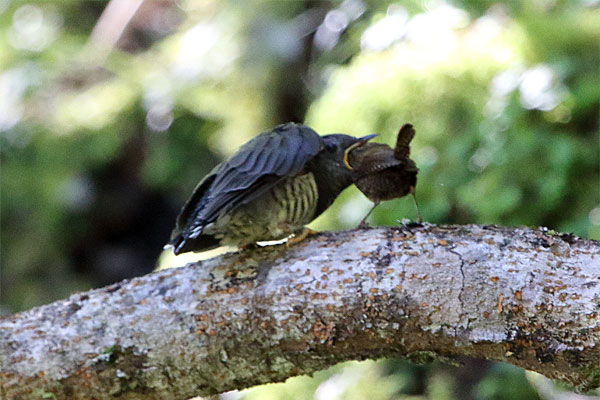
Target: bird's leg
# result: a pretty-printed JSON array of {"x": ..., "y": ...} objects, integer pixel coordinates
[
  {"x": 297, "y": 238},
  {"x": 248, "y": 246},
  {"x": 363, "y": 224},
  {"x": 414, "y": 195}
]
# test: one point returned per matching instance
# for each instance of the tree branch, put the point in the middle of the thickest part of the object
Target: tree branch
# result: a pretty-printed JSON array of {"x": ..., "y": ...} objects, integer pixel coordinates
[{"x": 523, "y": 296}]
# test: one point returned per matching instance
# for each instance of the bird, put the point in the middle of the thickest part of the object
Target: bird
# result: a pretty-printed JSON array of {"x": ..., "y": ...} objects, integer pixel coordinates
[
  {"x": 273, "y": 186},
  {"x": 383, "y": 173}
]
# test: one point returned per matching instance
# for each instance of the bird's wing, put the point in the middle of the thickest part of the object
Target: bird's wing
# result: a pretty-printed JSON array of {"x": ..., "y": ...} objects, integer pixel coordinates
[
  {"x": 373, "y": 157},
  {"x": 254, "y": 169},
  {"x": 405, "y": 135},
  {"x": 195, "y": 201}
]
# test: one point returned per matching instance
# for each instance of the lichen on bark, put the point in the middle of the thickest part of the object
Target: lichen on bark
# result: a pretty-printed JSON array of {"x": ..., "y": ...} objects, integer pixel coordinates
[{"x": 520, "y": 295}]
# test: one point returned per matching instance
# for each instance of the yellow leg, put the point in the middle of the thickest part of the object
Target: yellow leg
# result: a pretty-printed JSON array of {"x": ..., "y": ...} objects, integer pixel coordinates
[{"x": 306, "y": 232}]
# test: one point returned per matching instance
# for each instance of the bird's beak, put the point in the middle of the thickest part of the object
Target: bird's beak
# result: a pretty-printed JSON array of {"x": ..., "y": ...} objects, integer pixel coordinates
[
  {"x": 359, "y": 142},
  {"x": 365, "y": 139}
]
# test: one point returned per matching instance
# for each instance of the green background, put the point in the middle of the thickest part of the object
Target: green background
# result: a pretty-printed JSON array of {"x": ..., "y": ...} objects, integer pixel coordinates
[{"x": 110, "y": 116}]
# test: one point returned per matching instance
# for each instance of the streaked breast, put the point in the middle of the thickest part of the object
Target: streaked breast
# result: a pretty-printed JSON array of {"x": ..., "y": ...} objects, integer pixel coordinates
[{"x": 296, "y": 199}]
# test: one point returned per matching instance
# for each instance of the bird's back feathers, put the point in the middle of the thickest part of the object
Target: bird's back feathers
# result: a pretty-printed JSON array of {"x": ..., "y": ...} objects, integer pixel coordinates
[{"x": 254, "y": 169}]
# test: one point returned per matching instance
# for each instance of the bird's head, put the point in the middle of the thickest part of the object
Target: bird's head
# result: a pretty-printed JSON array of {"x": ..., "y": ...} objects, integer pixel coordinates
[
  {"x": 330, "y": 163},
  {"x": 338, "y": 146}
]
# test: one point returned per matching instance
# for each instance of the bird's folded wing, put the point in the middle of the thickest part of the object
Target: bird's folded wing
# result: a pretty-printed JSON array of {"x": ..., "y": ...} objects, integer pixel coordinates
[{"x": 253, "y": 170}]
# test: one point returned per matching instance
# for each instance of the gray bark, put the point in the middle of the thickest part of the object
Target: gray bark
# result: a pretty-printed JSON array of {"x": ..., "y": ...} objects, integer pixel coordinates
[{"x": 527, "y": 297}]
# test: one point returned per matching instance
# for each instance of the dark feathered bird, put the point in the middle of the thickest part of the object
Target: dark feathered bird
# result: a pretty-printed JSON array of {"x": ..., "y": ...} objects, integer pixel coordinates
[
  {"x": 270, "y": 188},
  {"x": 383, "y": 173}
]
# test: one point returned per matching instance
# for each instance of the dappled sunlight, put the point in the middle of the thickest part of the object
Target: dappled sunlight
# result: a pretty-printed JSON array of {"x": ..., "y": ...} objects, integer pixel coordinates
[
  {"x": 112, "y": 112},
  {"x": 92, "y": 109},
  {"x": 34, "y": 27}
]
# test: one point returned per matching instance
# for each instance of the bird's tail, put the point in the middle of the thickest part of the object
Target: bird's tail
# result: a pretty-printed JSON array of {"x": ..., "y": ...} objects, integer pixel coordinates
[
  {"x": 180, "y": 244},
  {"x": 405, "y": 135}
]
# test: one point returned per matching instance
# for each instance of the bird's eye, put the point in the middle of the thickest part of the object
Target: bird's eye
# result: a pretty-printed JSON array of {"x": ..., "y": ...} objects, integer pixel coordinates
[{"x": 331, "y": 147}]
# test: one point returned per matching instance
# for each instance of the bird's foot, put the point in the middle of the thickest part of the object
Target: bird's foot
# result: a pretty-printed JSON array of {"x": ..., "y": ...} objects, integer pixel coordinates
[
  {"x": 306, "y": 232},
  {"x": 414, "y": 224},
  {"x": 363, "y": 225},
  {"x": 248, "y": 246},
  {"x": 408, "y": 225}
]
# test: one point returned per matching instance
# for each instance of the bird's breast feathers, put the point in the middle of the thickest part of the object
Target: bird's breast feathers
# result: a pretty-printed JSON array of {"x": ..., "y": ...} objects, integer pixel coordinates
[{"x": 285, "y": 209}]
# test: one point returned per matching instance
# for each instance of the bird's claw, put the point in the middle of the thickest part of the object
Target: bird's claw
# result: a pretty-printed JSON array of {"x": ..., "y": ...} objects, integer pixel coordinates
[
  {"x": 306, "y": 232},
  {"x": 363, "y": 225},
  {"x": 249, "y": 246},
  {"x": 408, "y": 225}
]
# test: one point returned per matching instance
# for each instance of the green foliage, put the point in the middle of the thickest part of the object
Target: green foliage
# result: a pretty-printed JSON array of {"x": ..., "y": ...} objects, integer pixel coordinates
[
  {"x": 505, "y": 381},
  {"x": 101, "y": 142},
  {"x": 45, "y": 395},
  {"x": 351, "y": 381},
  {"x": 483, "y": 157}
]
